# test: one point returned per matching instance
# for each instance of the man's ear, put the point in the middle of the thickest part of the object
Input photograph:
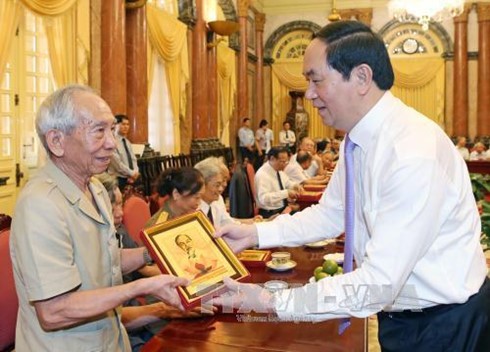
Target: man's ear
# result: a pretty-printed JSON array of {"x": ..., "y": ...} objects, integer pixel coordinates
[
  {"x": 55, "y": 140},
  {"x": 363, "y": 74},
  {"x": 175, "y": 195}
]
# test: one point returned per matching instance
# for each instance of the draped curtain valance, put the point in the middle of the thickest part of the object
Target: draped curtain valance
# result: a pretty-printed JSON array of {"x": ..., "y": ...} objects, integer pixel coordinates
[
  {"x": 421, "y": 84},
  {"x": 49, "y": 7}
]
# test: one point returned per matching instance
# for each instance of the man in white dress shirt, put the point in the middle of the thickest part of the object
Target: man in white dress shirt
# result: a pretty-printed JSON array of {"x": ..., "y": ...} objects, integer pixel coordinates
[
  {"x": 273, "y": 186},
  {"x": 264, "y": 138},
  {"x": 214, "y": 185},
  {"x": 216, "y": 176},
  {"x": 461, "y": 147},
  {"x": 420, "y": 264},
  {"x": 246, "y": 141},
  {"x": 316, "y": 167},
  {"x": 287, "y": 138},
  {"x": 296, "y": 170},
  {"x": 123, "y": 162},
  {"x": 479, "y": 152}
]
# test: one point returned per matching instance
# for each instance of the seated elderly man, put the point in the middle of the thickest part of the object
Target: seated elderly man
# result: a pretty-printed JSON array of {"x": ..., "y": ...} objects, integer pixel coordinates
[
  {"x": 296, "y": 170},
  {"x": 214, "y": 185},
  {"x": 316, "y": 168},
  {"x": 479, "y": 152},
  {"x": 273, "y": 187},
  {"x": 67, "y": 264},
  {"x": 216, "y": 176},
  {"x": 461, "y": 147}
]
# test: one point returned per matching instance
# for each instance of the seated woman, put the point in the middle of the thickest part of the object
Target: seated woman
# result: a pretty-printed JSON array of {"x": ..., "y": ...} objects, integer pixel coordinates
[
  {"x": 141, "y": 321},
  {"x": 183, "y": 189}
]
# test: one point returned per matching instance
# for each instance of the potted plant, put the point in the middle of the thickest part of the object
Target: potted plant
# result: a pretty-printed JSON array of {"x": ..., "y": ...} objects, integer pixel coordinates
[{"x": 481, "y": 191}]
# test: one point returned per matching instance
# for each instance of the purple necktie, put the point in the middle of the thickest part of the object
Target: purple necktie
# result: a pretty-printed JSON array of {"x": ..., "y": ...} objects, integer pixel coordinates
[{"x": 349, "y": 215}]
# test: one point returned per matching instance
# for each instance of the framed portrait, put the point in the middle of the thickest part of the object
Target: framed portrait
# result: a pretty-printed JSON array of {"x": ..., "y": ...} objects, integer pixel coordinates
[
  {"x": 254, "y": 257},
  {"x": 185, "y": 247}
]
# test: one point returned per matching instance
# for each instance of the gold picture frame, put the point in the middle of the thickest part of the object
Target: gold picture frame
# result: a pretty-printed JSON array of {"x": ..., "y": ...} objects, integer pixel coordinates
[{"x": 185, "y": 247}]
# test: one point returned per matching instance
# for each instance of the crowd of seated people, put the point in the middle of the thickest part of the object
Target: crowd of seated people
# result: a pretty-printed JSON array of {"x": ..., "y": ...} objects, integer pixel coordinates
[{"x": 472, "y": 152}]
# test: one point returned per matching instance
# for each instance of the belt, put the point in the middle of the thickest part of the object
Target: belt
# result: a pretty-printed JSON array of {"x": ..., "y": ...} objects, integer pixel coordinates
[
  {"x": 270, "y": 212},
  {"x": 410, "y": 313},
  {"x": 417, "y": 312}
]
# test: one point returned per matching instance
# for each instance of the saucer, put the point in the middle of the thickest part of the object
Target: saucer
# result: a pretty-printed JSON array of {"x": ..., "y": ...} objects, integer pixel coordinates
[
  {"x": 319, "y": 244},
  {"x": 338, "y": 257},
  {"x": 283, "y": 267}
]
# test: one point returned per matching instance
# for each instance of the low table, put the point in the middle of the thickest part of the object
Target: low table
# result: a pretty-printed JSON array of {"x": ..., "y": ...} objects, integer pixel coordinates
[{"x": 261, "y": 332}]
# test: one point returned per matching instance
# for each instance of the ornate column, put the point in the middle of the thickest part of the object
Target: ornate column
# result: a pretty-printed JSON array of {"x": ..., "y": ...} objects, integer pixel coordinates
[
  {"x": 483, "y": 105},
  {"x": 212, "y": 81},
  {"x": 242, "y": 62},
  {"x": 200, "y": 123},
  {"x": 259, "y": 75},
  {"x": 113, "y": 55},
  {"x": 460, "y": 89},
  {"x": 136, "y": 71}
]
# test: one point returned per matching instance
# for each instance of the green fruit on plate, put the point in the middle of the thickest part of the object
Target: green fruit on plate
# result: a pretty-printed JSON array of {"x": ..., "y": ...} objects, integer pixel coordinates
[
  {"x": 330, "y": 266},
  {"x": 318, "y": 269},
  {"x": 340, "y": 270},
  {"x": 321, "y": 275}
]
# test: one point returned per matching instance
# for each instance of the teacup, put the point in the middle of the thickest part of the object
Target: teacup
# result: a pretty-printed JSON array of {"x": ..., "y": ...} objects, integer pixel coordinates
[{"x": 280, "y": 258}]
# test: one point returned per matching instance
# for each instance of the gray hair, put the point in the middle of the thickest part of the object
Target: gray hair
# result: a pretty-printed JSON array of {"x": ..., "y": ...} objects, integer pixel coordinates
[
  {"x": 209, "y": 168},
  {"x": 58, "y": 112}
]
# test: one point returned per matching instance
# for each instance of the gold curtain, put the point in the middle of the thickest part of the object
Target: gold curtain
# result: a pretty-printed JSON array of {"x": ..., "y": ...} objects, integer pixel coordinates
[
  {"x": 287, "y": 76},
  {"x": 420, "y": 84},
  {"x": 9, "y": 19},
  {"x": 49, "y": 7},
  {"x": 168, "y": 37},
  {"x": 61, "y": 32},
  {"x": 226, "y": 89}
]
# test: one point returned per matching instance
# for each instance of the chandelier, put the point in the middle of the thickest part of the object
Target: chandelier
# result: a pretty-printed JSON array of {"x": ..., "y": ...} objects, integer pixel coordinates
[{"x": 425, "y": 11}]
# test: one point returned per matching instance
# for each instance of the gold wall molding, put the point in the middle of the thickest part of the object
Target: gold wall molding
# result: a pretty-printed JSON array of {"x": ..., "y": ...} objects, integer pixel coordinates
[
  {"x": 483, "y": 11},
  {"x": 259, "y": 22},
  {"x": 132, "y": 4},
  {"x": 243, "y": 8}
]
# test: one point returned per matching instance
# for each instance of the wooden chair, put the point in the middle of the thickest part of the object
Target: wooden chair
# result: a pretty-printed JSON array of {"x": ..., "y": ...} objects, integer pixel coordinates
[
  {"x": 136, "y": 212},
  {"x": 8, "y": 296},
  {"x": 5, "y": 221}
]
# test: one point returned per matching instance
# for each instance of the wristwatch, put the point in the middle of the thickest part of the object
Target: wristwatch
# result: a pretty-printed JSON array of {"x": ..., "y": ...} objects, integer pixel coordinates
[{"x": 146, "y": 257}]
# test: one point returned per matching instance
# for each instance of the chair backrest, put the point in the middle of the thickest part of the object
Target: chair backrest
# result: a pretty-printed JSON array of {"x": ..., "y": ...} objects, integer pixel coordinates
[
  {"x": 136, "y": 212},
  {"x": 251, "y": 181},
  {"x": 241, "y": 197},
  {"x": 8, "y": 296},
  {"x": 5, "y": 221}
]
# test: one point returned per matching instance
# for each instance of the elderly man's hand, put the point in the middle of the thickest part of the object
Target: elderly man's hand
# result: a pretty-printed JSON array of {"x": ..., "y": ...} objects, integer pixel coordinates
[
  {"x": 164, "y": 287},
  {"x": 168, "y": 312},
  {"x": 238, "y": 237}
]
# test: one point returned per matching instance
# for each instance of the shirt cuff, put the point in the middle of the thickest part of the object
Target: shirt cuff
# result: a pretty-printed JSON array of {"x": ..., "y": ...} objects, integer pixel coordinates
[{"x": 268, "y": 235}]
